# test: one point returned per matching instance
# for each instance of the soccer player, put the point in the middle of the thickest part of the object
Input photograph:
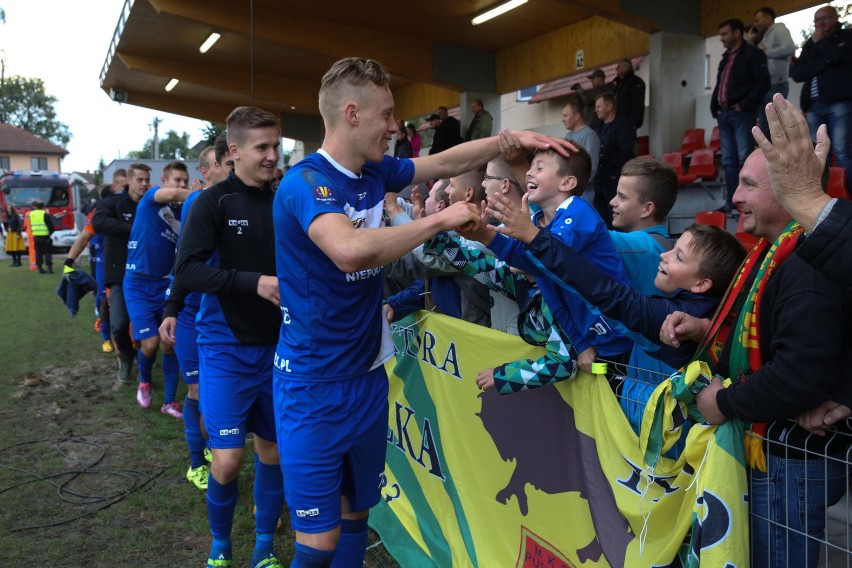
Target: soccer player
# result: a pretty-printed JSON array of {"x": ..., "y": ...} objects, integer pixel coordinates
[
  {"x": 150, "y": 256},
  {"x": 330, "y": 383},
  {"x": 238, "y": 323},
  {"x": 113, "y": 218},
  {"x": 178, "y": 327}
]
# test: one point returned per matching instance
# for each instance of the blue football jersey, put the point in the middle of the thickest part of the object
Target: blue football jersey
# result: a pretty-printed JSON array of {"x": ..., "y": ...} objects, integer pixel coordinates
[{"x": 332, "y": 320}]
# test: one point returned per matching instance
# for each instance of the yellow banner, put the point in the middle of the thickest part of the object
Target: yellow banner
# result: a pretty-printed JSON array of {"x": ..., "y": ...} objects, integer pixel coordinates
[{"x": 552, "y": 477}]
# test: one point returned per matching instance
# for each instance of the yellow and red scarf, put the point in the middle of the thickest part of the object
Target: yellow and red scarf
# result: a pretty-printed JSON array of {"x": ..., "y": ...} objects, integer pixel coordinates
[{"x": 739, "y": 313}]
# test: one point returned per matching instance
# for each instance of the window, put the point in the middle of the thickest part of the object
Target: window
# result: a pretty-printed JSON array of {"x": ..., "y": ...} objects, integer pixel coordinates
[
  {"x": 4, "y": 162},
  {"x": 38, "y": 163},
  {"x": 527, "y": 93}
]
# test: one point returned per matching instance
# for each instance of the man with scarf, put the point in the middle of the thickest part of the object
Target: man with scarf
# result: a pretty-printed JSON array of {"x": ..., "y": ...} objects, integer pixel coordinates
[{"x": 782, "y": 335}]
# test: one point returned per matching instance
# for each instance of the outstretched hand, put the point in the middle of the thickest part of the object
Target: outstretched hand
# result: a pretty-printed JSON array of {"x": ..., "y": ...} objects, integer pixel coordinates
[
  {"x": 515, "y": 220},
  {"x": 538, "y": 141},
  {"x": 795, "y": 165},
  {"x": 478, "y": 229},
  {"x": 680, "y": 326},
  {"x": 418, "y": 204}
]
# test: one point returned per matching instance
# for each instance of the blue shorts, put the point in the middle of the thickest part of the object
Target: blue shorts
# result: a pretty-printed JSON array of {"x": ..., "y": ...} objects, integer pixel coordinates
[
  {"x": 144, "y": 299},
  {"x": 236, "y": 395},
  {"x": 186, "y": 347},
  {"x": 333, "y": 443}
]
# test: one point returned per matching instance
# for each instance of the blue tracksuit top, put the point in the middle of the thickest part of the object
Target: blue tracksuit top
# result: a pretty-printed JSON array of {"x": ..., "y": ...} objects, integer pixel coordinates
[{"x": 578, "y": 225}]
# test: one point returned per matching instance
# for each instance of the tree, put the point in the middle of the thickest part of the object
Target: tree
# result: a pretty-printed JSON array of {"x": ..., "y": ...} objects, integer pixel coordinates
[
  {"x": 211, "y": 131},
  {"x": 24, "y": 103},
  {"x": 172, "y": 147}
]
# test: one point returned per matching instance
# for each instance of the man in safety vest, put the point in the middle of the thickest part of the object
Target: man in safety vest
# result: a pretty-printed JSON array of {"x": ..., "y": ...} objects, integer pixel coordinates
[{"x": 42, "y": 227}]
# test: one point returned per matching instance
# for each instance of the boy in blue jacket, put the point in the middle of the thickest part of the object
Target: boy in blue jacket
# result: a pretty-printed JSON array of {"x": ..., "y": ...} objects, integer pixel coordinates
[
  {"x": 694, "y": 275},
  {"x": 554, "y": 184}
]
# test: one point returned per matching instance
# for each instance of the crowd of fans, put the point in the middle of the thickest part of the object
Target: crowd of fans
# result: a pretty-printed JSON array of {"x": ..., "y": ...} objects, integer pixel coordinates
[{"x": 264, "y": 296}]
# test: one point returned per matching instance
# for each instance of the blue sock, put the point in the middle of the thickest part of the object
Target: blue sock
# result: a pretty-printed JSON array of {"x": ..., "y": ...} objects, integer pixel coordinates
[
  {"x": 268, "y": 497},
  {"x": 352, "y": 545},
  {"x": 220, "y": 549},
  {"x": 105, "y": 330},
  {"x": 221, "y": 502},
  {"x": 307, "y": 557},
  {"x": 170, "y": 376},
  {"x": 145, "y": 365},
  {"x": 192, "y": 428},
  {"x": 262, "y": 548}
]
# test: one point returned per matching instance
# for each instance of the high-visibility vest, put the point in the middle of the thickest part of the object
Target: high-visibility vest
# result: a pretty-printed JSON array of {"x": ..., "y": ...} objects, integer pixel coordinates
[{"x": 38, "y": 224}]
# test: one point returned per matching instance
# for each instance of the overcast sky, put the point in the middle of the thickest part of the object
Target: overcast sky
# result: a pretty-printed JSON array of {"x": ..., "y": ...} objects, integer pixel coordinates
[{"x": 64, "y": 43}]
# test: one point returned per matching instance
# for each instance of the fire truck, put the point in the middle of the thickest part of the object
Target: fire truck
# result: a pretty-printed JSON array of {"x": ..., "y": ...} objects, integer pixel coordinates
[{"x": 21, "y": 187}]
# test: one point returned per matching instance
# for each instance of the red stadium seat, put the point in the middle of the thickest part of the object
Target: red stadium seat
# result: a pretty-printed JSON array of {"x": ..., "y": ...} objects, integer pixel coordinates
[
  {"x": 703, "y": 165},
  {"x": 644, "y": 145},
  {"x": 717, "y": 218},
  {"x": 715, "y": 141},
  {"x": 675, "y": 160},
  {"x": 692, "y": 140},
  {"x": 837, "y": 183}
]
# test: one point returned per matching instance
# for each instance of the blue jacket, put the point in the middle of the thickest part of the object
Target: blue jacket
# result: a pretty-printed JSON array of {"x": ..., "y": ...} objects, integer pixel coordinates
[
  {"x": 576, "y": 224},
  {"x": 74, "y": 286},
  {"x": 639, "y": 313},
  {"x": 445, "y": 293}
]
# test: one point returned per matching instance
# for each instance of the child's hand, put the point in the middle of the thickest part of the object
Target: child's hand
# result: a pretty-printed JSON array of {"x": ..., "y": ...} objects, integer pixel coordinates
[
  {"x": 586, "y": 358},
  {"x": 485, "y": 379},
  {"x": 392, "y": 205},
  {"x": 516, "y": 222},
  {"x": 418, "y": 204}
]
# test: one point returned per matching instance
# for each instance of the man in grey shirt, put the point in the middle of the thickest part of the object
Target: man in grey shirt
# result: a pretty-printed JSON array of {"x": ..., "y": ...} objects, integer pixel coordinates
[
  {"x": 581, "y": 133},
  {"x": 775, "y": 41}
]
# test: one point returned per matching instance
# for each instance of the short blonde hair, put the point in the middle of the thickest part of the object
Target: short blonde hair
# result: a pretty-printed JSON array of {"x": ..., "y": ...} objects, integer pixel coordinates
[{"x": 342, "y": 81}]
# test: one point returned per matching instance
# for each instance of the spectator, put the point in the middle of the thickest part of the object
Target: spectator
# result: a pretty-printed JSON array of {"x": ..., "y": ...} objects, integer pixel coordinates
[
  {"x": 447, "y": 131},
  {"x": 438, "y": 288},
  {"x": 554, "y": 184},
  {"x": 617, "y": 141},
  {"x": 415, "y": 139},
  {"x": 825, "y": 68},
  {"x": 403, "y": 147},
  {"x": 578, "y": 131},
  {"x": 14, "y": 235},
  {"x": 629, "y": 91},
  {"x": 481, "y": 124},
  {"x": 41, "y": 224},
  {"x": 775, "y": 41},
  {"x": 782, "y": 361},
  {"x": 742, "y": 81},
  {"x": 794, "y": 171},
  {"x": 589, "y": 96}
]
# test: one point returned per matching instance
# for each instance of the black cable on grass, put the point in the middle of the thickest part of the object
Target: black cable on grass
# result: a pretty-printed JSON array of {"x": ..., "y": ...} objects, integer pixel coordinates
[{"x": 73, "y": 497}]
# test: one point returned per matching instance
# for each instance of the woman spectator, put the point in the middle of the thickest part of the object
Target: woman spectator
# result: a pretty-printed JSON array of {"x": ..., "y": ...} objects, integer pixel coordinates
[
  {"x": 14, "y": 239},
  {"x": 414, "y": 138}
]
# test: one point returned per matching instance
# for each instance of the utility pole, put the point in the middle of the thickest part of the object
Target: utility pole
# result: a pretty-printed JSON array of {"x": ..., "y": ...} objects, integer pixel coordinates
[{"x": 155, "y": 124}]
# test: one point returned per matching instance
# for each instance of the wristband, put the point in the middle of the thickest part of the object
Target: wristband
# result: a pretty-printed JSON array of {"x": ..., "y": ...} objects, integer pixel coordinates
[{"x": 599, "y": 368}]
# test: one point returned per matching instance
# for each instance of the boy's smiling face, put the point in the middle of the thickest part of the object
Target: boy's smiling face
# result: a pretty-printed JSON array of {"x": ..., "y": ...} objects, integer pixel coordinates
[
  {"x": 679, "y": 268},
  {"x": 545, "y": 185}
]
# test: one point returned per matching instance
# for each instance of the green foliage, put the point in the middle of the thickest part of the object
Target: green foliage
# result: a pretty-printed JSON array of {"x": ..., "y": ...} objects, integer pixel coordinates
[
  {"x": 172, "y": 147},
  {"x": 211, "y": 131},
  {"x": 25, "y": 104}
]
